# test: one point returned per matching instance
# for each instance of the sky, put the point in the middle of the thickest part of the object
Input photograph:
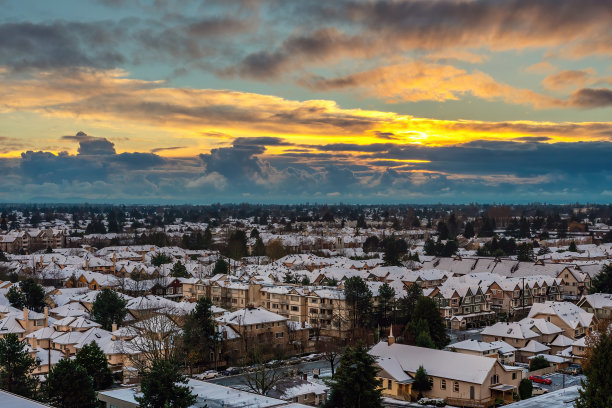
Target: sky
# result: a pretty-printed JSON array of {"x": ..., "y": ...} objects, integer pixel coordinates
[{"x": 396, "y": 101}]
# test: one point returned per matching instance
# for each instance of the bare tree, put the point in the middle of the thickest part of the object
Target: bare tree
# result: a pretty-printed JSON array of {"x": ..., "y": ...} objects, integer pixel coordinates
[
  {"x": 263, "y": 379},
  {"x": 157, "y": 339},
  {"x": 331, "y": 348}
]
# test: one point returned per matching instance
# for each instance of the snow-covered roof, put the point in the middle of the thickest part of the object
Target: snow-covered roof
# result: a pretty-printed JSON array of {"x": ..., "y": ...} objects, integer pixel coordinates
[
  {"x": 535, "y": 346},
  {"x": 249, "y": 316},
  {"x": 438, "y": 363},
  {"x": 512, "y": 330}
]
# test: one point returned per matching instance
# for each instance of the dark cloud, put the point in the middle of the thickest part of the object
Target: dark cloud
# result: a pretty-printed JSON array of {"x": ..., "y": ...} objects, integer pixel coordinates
[
  {"x": 261, "y": 141},
  {"x": 92, "y": 146},
  {"x": 60, "y": 44},
  {"x": 501, "y": 171},
  {"x": 161, "y": 149},
  {"x": 592, "y": 98}
]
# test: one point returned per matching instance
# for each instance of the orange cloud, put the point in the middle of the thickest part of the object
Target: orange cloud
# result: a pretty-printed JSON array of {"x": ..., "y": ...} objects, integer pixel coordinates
[
  {"x": 207, "y": 116},
  {"x": 419, "y": 81}
]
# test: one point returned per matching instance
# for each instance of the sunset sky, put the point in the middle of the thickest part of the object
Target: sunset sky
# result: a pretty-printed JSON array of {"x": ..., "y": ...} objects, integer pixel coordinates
[{"x": 419, "y": 101}]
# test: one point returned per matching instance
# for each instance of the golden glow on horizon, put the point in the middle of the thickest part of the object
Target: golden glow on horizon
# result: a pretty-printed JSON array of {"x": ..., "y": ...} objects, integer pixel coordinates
[{"x": 181, "y": 122}]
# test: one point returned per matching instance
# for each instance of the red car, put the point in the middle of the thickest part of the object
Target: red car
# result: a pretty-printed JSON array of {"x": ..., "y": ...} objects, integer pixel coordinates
[{"x": 538, "y": 379}]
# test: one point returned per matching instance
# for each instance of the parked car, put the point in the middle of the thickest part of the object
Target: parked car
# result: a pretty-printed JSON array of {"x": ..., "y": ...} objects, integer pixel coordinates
[
  {"x": 293, "y": 361},
  {"x": 537, "y": 390},
  {"x": 210, "y": 374},
  {"x": 573, "y": 369},
  {"x": 540, "y": 380},
  {"x": 231, "y": 371}
]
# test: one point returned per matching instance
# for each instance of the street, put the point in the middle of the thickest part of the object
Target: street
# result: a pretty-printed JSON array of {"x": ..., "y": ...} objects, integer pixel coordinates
[{"x": 238, "y": 381}]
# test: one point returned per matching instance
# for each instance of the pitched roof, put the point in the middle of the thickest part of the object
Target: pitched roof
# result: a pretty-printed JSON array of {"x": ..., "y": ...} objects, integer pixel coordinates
[{"x": 438, "y": 363}]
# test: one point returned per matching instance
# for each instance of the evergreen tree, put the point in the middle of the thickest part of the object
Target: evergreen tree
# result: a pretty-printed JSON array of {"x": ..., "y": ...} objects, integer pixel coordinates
[
  {"x": 260, "y": 247},
  {"x": 421, "y": 381},
  {"x": 525, "y": 252},
  {"x": 602, "y": 282},
  {"x": 427, "y": 310},
  {"x": 408, "y": 302},
  {"x": 16, "y": 367},
  {"x": 423, "y": 339},
  {"x": 162, "y": 386},
  {"x": 525, "y": 388},
  {"x": 597, "y": 390},
  {"x": 159, "y": 259},
  {"x": 207, "y": 240},
  {"x": 237, "y": 245},
  {"x": 468, "y": 232},
  {"x": 199, "y": 332},
  {"x": 359, "y": 298},
  {"x": 430, "y": 247},
  {"x": 221, "y": 267},
  {"x": 361, "y": 222},
  {"x": 29, "y": 295},
  {"x": 371, "y": 244},
  {"x": 443, "y": 233},
  {"x": 394, "y": 249},
  {"x": 254, "y": 233},
  {"x": 108, "y": 308},
  {"x": 354, "y": 384},
  {"x": 69, "y": 386},
  {"x": 386, "y": 303},
  {"x": 179, "y": 271},
  {"x": 572, "y": 247},
  {"x": 93, "y": 360},
  {"x": 538, "y": 363}
]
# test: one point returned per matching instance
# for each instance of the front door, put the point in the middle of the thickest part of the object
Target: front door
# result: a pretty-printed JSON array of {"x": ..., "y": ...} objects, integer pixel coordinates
[{"x": 471, "y": 392}]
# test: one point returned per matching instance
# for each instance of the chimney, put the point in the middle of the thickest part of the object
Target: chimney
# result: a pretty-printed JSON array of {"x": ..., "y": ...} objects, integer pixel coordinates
[
  {"x": 25, "y": 316},
  {"x": 114, "y": 327},
  {"x": 114, "y": 262},
  {"x": 305, "y": 377},
  {"x": 391, "y": 338},
  {"x": 46, "y": 312}
]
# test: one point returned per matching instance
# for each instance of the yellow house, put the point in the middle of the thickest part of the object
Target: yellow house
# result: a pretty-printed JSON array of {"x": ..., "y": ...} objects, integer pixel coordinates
[{"x": 460, "y": 379}]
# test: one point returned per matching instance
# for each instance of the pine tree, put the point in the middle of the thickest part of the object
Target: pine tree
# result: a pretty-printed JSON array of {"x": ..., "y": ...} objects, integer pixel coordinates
[
  {"x": 199, "y": 332},
  {"x": 69, "y": 386},
  {"x": 572, "y": 247},
  {"x": 179, "y": 270},
  {"x": 355, "y": 385},
  {"x": 602, "y": 282},
  {"x": 597, "y": 390},
  {"x": 108, "y": 308},
  {"x": 525, "y": 388},
  {"x": 427, "y": 310},
  {"x": 423, "y": 339},
  {"x": 29, "y": 295},
  {"x": 93, "y": 360},
  {"x": 162, "y": 386},
  {"x": 16, "y": 367},
  {"x": 221, "y": 267},
  {"x": 386, "y": 303},
  {"x": 421, "y": 381},
  {"x": 359, "y": 298}
]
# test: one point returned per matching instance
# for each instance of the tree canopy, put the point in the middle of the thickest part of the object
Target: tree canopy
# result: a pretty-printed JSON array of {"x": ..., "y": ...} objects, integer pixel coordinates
[
  {"x": 421, "y": 381},
  {"x": 108, "y": 308},
  {"x": 69, "y": 386},
  {"x": 602, "y": 282},
  {"x": 16, "y": 367},
  {"x": 427, "y": 311},
  {"x": 179, "y": 270},
  {"x": 359, "y": 298},
  {"x": 29, "y": 295},
  {"x": 199, "y": 332},
  {"x": 355, "y": 385},
  {"x": 93, "y": 360},
  {"x": 163, "y": 386},
  {"x": 597, "y": 389}
]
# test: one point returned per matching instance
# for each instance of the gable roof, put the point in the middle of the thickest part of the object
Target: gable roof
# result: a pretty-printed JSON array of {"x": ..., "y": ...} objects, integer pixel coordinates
[{"x": 438, "y": 363}]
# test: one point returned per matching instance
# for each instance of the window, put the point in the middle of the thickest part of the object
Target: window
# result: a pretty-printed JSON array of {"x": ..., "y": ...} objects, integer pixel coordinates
[
  {"x": 314, "y": 300},
  {"x": 280, "y": 335},
  {"x": 494, "y": 379},
  {"x": 295, "y": 308},
  {"x": 443, "y": 384},
  {"x": 389, "y": 384},
  {"x": 514, "y": 376},
  {"x": 258, "y": 326},
  {"x": 456, "y": 386}
]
